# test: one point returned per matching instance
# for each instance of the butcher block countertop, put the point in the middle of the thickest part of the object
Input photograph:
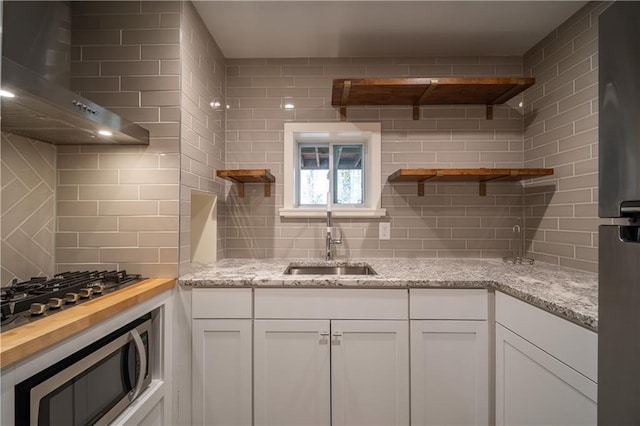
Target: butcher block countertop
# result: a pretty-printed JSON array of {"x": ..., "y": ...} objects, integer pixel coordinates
[
  {"x": 567, "y": 293},
  {"x": 18, "y": 343}
]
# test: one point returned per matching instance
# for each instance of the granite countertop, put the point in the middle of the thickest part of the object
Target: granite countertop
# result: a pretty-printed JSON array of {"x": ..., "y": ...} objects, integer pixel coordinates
[{"x": 568, "y": 293}]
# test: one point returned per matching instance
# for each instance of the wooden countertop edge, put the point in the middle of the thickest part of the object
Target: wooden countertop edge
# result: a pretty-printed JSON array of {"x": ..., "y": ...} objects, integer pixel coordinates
[{"x": 28, "y": 339}]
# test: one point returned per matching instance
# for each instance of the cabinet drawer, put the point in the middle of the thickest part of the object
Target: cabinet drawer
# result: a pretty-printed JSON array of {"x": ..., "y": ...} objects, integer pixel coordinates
[
  {"x": 443, "y": 304},
  {"x": 221, "y": 303},
  {"x": 331, "y": 303},
  {"x": 575, "y": 346}
]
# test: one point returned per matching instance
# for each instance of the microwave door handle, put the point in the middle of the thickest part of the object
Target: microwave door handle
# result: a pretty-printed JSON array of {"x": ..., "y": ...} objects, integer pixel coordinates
[{"x": 137, "y": 340}]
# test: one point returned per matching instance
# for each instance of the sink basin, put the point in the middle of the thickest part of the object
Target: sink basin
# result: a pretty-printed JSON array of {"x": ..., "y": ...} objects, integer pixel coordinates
[{"x": 329, "y": 270}]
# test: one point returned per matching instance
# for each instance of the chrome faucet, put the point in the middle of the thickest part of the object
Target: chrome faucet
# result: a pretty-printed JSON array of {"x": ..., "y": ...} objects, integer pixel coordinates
[{"x": 329, "y": 240}]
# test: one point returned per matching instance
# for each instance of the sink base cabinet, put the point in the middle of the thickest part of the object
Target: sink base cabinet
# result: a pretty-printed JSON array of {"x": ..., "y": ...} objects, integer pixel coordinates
[
  {"x": 370, "y": 373},
  {"x": 338, "y": 372},
  {"x": 449, "y": 373},
  {"x": 292, "y": 372}
]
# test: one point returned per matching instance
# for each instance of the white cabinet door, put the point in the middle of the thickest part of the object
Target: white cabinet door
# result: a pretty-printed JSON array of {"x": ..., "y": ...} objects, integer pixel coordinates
[
  {"x": 449, "y": 373},
  {"x": 534, "y": 388},
  {"x": 291, "y": 375},
  {"x": 221, "y": 372},
  {"x": 155, "y": 416},
  {"x": 370, "y": 372}
]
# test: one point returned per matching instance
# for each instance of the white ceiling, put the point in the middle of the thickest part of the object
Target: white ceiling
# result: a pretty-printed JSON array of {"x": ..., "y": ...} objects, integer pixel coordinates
[{"x": 289, "y": 29}]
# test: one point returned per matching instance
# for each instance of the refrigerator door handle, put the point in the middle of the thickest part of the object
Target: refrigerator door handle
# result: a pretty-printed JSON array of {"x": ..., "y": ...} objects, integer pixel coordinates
[
  {"x": 630, "y": 234},
  {"x": 630, "y": 208}
]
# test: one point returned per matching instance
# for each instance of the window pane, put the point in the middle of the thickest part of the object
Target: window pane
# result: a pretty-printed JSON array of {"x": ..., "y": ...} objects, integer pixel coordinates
[
  {"x": 314, "y": 186},
  {"x": 314, "y": 174},
  {"x": 348, "y": 174},
  {"x": 314, "y": 157}
]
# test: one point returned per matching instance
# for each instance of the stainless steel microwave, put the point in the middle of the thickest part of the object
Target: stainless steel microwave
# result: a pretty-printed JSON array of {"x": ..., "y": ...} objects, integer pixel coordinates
[{"x": 92, "y": 386}]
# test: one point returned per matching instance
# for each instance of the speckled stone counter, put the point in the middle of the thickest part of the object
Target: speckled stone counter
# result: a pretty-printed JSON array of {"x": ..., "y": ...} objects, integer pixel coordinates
[{"x": 568, "y": 293}]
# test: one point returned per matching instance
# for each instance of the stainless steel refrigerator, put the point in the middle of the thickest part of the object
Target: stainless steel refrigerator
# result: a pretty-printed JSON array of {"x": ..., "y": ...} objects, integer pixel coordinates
[{"x": 619, "y": 197}]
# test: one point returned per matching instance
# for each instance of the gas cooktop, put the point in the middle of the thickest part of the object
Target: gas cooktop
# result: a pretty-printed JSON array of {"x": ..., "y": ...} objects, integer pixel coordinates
[{"x": 27, "y": 301}]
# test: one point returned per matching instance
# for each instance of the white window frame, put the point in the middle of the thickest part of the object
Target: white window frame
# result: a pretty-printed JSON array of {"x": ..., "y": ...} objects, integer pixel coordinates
[{"x": 373, "y": 170}]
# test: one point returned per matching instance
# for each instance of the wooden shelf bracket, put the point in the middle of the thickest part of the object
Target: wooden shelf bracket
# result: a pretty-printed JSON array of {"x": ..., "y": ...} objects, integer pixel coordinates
[
  {"x": 421, "y": 184},
  {"x": 416, "y": 107},
  {"x": 504, "y": 97},
  {"x": 345, "y": 100},
  {"x": 482, "y": 191}
]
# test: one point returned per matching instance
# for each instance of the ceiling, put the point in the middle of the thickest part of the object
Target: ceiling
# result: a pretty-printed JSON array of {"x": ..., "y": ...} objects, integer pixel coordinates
[{"x": 290, "y": 29}]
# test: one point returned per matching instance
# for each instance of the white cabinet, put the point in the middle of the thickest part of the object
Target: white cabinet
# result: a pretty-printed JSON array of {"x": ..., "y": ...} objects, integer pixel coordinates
[
  {"x": 155, "y": 416},
  {"x": 221, "y": 357},
  {"x": 546, "y": 368},
  {"x": 534, "y": 388},
  {"x": 222, "y": 372},
  {"x": 292, "y": 375},
  {"x": 290, "y": 356},
  {"x": 321, "y": 372},
  {"x": 449, "y": 357},
  {"x": 148, "y": 409},
  {"x": 449, "y": 373},
  {"x": 331, "y": 357},
  {"x": 369, "y": 372}
]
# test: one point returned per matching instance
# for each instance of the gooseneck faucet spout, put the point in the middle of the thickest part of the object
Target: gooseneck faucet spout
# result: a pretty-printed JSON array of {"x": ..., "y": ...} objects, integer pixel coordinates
[{"x": 330, "y": 241}]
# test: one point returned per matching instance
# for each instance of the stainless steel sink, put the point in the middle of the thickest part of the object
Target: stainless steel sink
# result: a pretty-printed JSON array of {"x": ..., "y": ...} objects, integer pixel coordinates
[{"x": 330, "y": 270}]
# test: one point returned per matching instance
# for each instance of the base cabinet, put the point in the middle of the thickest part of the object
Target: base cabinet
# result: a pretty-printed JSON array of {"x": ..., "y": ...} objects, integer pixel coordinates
[
  {"x": 339, "y": 372},
  {"x": 154, "y": 416},
  {"x": 449, "y": 357},
  {"x": 291, "y": 375},
  {"x": 546, "y": 368},
  {"x": 342, "y": 357},
  {"x": 534, "y": 388},
  {"x": 222, "y": 372},
  {"x": 221, "y": 362},
  {"x": 370, "y": 373},
  {"x": 148, "y": 410},
  {"x": 449, "y": 373}
]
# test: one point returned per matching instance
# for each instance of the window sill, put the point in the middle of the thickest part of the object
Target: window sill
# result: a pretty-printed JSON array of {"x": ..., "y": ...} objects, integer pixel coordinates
[{"x": 336, "y": 212}]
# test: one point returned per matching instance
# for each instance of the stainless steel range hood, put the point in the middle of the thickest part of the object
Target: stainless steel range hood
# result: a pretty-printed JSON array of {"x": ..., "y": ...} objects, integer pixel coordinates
[{"x": 35, "y": 66}]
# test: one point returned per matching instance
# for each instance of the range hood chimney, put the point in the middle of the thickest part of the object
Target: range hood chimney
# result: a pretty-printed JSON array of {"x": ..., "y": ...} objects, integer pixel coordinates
[{"x": 36, "y": 58}]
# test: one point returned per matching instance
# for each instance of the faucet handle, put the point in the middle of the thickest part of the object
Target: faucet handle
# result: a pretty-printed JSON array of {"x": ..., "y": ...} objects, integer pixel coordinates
[{"x": 338, "y": 241}]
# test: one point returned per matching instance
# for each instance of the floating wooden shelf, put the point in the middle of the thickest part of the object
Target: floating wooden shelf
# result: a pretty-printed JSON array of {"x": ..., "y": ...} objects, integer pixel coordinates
[
  {"x": 465, "y": 175},
  {"x": 242, "y": 176},
  {"x": 426, "y": 91}
]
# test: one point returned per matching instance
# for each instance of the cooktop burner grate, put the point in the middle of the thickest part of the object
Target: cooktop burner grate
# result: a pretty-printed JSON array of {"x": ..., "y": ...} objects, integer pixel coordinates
[{"x": 39, "y": 297}]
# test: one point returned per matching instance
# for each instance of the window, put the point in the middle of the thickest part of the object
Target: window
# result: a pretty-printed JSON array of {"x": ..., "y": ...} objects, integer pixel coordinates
[
  {"x": 332, "y": 162},
  {"x": 313, "y": 174}
]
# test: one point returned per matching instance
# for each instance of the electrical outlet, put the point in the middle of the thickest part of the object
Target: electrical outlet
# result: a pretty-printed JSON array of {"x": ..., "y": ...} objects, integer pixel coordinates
[{"x": 384, "y": 231}]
